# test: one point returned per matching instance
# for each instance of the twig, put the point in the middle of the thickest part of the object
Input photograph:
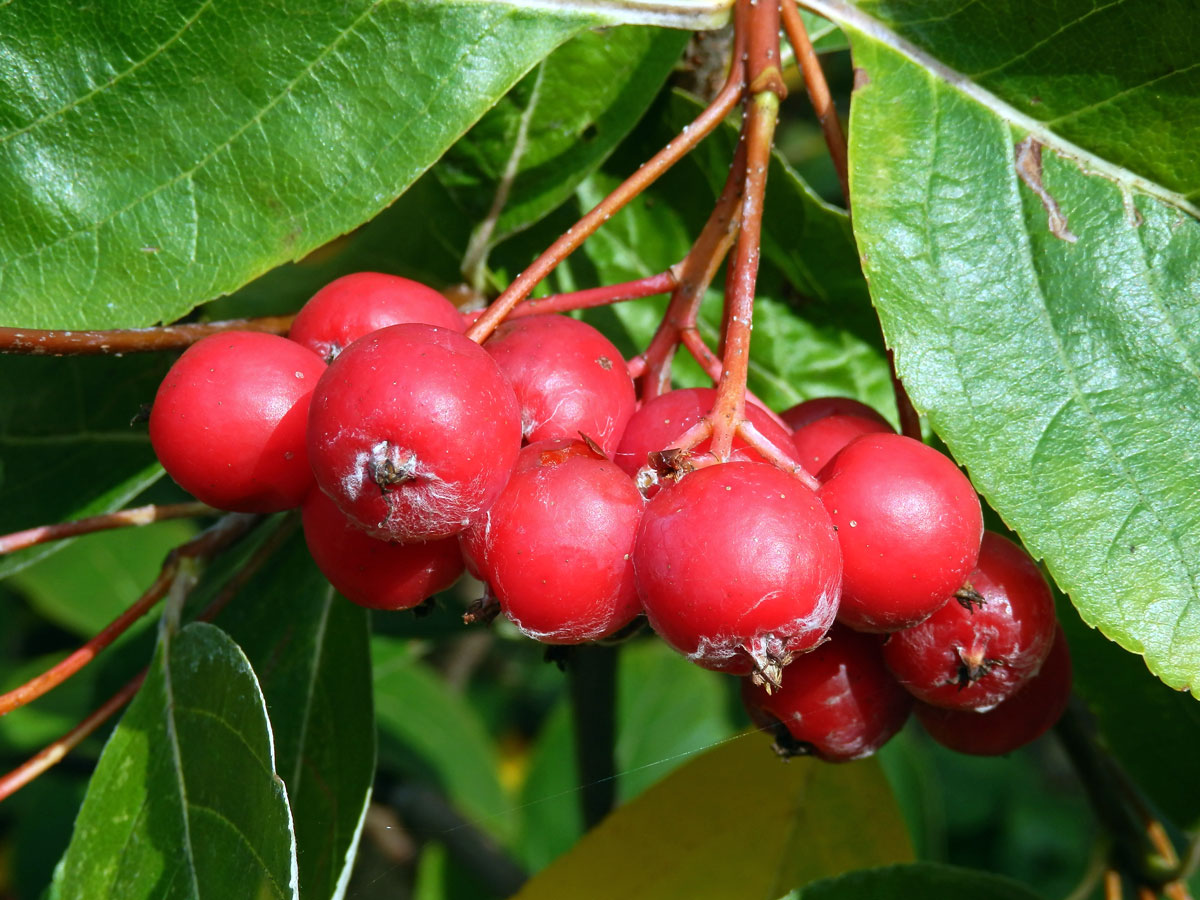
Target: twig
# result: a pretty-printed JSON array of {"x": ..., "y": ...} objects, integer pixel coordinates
[
  {"x": 206, "y": 544},
  {"x": 54, "y": 752},
  {"x": 141, "y": 515},
  {"x": 691, "y": 135},
  {"x": 818, "y": 93},
  {"x": 592, "y": 675},
  {"x": 910, "y": 420},
  {"x": 35, "y": 342},
  {"x": 589, "y": 297}
]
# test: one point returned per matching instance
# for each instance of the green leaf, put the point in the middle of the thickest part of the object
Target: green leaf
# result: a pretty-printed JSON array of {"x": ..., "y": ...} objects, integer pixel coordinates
[
  {"x": 310, "y": 649},
  {"x": 734, "y": 822},
  {"x": 431, "y": 734},
  {"x": 1136, "y": 108},
  {"x": 928, "y": 881},
  {"x": 527, "y": 154},
  {"x": 91, "y": 582},
  {"x": 185, "y": 801},
  {"x": 67, "y": 449},
  {"x": 157, "y": 153},
  {"x": 1041, "y": 303}
]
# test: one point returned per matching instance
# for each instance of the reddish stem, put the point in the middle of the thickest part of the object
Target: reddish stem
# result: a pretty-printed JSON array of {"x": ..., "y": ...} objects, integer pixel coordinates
[
  {"x": 818, "y": 93},
  {"x": 691, "y": 135},
  {"x": 210, "y": 542},
  {"x": 588, "y": 298},
  {"x": 910, "y": 420},
  {"x": 141, "y": 515},
  {"x": 711, "y": 364},
  {"x": 36, "y": 342},
  {"x": 54, "y": 752},
  {"x": 729, "y": 408}
]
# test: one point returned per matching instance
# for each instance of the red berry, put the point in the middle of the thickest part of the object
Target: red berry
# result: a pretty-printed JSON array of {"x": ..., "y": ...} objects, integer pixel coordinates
[
  {"x": 355, "y": 305},
  {"x": 556, "y": 545},
  {"x": 374, "y": 573},
  {"x": 838, "y": 701},
  {"x": 972, "y": 656},
  {"x": 413, "y": 431},
  {"x": 820, "y": 441},
  {"x": 738, "y": 567},
  {"x": 818, "y": 408},
  {"x": 1014, "y": 723},
  {"x": 661, "y": 421},
  {"x": 229, "y": 417},
  {"x": 568, "y": 377},
  {"x": 909, "y": 525}
]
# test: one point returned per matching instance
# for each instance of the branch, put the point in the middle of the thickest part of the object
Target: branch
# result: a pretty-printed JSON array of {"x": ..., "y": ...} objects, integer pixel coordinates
[
  {"x": 589, "y": 298},
  {"x": 34, "y": 342},
  {"x": 427, "y": 814},
  {"x": 141, "y": 515},
  {"x": 592, "y": 676},
  {"x": 54, "y": 752},
  {"x": 205, "y": 545}
]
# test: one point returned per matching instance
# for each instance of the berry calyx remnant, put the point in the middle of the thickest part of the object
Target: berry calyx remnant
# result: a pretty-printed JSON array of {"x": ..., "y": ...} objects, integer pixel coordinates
[
  {"x": 738, "y": 568},
  {"x": 909, "y": 524},
  {"x": 556, "y": 546},
  {"x": 975, "y": 655},
  {"x": 355, "y": 305},
  {"x": 370, "y": 572},
  {"x": 413, "y": 431},
  {"x": 228, "y": 421},
  {"x": 838, "y": 702},
  {"x": 1015, "y": 722}
]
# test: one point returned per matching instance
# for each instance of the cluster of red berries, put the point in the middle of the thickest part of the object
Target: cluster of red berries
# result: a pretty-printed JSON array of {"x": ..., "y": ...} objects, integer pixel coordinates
[{"x": 415, "y": 451}]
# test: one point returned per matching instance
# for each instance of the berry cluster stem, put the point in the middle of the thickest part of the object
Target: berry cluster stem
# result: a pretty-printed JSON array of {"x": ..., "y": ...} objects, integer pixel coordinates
[
  {"x": 140, "y": 515},
  {"x": 818, "y": 92},
  {"x": 692, "y": 134},
  {"x": 36, "y": 342}
]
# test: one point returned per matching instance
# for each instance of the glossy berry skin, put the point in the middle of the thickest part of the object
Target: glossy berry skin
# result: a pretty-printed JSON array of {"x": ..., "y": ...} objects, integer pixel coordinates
[
  {"x": 1014, "y": 723},
  {"x": 818, "y": 408},
  {"x": 909, "y": 525},
  {"x": 355, "y": 305},
  {"x": 738, "y": 566},
  {"x": 370, "y": 572},
  {"x": 661, "y": 421},
  {"x": 568, "y": 377},
  {"x": 838, "y": 702},
  {"x": 413, "y": 431},
  {"x": 821, "y": 440},
  {"x": 228, "y": 421},
  {"x": 972, "y": 656},
  {"x": 556, "y": 545}
]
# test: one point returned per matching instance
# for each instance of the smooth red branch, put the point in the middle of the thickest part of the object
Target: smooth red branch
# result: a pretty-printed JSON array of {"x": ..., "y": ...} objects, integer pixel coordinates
[
  {"x": 588, "y": 298},
  {"x": 818, "y": 93},
  {"x": 140, "y": 515},
  {"x": 729, "y": 408},
  {"x": 910, "y": 420},
  {"x": 53, "y": 753},
  {"x": 203, "y": 546},
  {"x": 35, "y": 342},
  {"x": 711, "y": 364},
  {"x": 691, "y": 135}
]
